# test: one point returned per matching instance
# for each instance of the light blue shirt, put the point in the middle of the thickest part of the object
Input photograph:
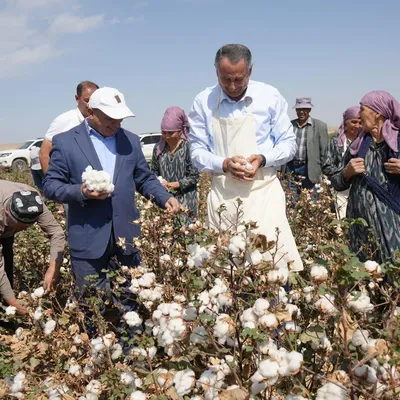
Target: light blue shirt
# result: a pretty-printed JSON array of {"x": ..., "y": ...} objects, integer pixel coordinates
[
  {"x": 106, "y": 149},
  {"x": 276, "y": 140}
]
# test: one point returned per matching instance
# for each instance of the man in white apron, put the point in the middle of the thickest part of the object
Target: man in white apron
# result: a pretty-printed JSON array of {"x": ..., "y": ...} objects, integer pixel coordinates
[{"x": 236, "y": 123}]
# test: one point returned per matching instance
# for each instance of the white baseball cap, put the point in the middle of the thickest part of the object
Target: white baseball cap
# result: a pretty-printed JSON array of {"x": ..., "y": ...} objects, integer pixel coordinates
[{"x": 111, "y": 102}]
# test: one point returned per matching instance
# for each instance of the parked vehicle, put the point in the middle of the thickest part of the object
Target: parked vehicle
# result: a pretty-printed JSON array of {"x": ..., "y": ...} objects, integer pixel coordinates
[
  {"x": 18, "y": 159},
  {"x": 148, "y": 141}
]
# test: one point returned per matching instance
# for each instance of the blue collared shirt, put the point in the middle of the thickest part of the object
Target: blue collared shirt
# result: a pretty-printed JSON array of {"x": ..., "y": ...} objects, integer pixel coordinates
[
  {"x": 106, "y": 149},
  {"x": 274, "y": 131}
]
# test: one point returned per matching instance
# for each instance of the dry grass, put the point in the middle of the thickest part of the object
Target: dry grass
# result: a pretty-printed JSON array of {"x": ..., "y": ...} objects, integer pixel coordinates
[{"x": 9, "y": 146}]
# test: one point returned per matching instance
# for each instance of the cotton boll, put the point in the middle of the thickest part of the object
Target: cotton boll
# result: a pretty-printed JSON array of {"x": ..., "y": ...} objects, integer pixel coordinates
[
  {"x": 294, "y": 397},
  {"x": 87, "y": 370},
  {"x": 38, "y": 314},
  {"x": 268, "y": 369},
  {"x": 292, "y": 327},
  {"x": 308, "y": 290},
  {"x": 257, "y": 388},
  {"x": 127, "y": 378},
  {"x": 248, "y": 315},
  {"x": 326, "y": 304},
  {"x": 49, "y": 327},
  {"x": 37, "y": 293},
  {"x": 165, "y": 258},
  {"x": 175, "y": 310},
  {"x": 147, "y": 280},
  {"x": 19, "y": 333},
  {"x": 225, "y": 300},
  {"x": 116, "y": 351},
  {"x": 97, "y": 345},
  {"x": 359, "y": 302},
  {"x": 138, "y": 395},
  {"x": 255, "y": 257},
  {"x": 184, "y": 381},
  {"x": 11, "y": 310},
  {"x": 74, "y": 369},
  {"x": 132, "y": 318},
  {"x": 372, "y": 267},
  {"x": 260, "y": 307},
  {"x": 319, "y": 273},
  {"x": 331, "y": 391},
  {"x": 94, "y": 387},
  {"x": 282, "y": 295},
  {"x": 269, "y": 321}
]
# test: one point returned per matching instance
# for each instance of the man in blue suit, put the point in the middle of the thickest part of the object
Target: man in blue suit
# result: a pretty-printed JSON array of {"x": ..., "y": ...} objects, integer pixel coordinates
[{"x": 96, "y": 220}]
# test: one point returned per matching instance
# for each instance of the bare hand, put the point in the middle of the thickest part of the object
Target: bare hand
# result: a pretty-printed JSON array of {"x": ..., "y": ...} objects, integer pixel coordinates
[
  {"x": 354, "y": 167},
  {"x": 93, "y": 195},
  {"x": 255, "y": 160},
  {"x": 172, "y": 205},
  {"x": 51, "y": 278},
  {"x": 392, "y": 166},
  {"x": 20, "y": 308},
  {"x": 236, "y": 167},
  {"x": 173, "y": 185}
]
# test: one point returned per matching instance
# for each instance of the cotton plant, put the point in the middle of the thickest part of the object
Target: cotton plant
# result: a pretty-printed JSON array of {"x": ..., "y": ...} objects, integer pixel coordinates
[{"x": 97, "y": 181}]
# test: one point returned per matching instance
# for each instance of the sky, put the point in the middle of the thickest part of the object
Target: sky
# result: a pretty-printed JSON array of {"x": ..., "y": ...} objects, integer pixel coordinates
[{"x": 160, "y": 53}]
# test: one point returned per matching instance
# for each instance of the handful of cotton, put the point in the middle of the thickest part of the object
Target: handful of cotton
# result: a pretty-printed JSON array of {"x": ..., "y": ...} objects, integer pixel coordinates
[{"x": 97, "y": 181}]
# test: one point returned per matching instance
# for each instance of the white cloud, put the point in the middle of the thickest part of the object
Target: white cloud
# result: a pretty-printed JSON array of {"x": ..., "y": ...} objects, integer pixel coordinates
[
  {"x": 26, "y": 56},
  {"x": 69, "y": 23},
  {"x": 30, "y": 29}
]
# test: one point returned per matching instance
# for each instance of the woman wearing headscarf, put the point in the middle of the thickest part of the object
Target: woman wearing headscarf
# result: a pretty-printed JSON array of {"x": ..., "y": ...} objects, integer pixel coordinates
[
  {"x": 347, "y": 133},
  {"x": 171, "y": 159},
  {"x": 372, "y": 168}
]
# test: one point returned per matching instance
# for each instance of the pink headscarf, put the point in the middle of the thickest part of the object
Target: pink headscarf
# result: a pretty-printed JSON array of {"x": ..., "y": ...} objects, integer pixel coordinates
[
  {"x": 174, "y": 120},
  {"x": 385, "y": 104},
  {"x": 350, "y": 113}
]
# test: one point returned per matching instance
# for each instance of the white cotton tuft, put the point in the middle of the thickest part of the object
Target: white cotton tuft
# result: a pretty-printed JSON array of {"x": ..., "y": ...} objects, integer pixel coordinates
[
  {"x": 37, "y": 293},
  {"x": 97, "y": 181},
  {"x": 184, "y": 381},
  {"x": 49, "y": 327},
  {"x": 132, "y": 318},
  {"x": 11, "y": 310},
  {"x": 319, "y": 273},
  {"x": 260, "y": 307}
]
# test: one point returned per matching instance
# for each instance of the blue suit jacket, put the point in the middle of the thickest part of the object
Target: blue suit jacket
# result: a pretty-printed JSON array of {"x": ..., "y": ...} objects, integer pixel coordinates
[{"x": 90, "y": 221}]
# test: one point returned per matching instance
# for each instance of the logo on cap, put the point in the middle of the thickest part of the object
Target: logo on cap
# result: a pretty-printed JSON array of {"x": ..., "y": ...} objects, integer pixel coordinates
[{"x": 117, "y": 98}]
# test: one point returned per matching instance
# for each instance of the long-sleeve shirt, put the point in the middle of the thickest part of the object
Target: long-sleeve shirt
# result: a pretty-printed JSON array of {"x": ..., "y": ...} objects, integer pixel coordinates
[
  {"x": 106, "y": 149},
  {"x": 46, "y": 221},
  {"x": 276, "y": 140}
]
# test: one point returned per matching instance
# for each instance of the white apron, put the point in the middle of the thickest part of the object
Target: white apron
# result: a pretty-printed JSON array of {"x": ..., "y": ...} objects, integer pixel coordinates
[{"x": 263, "y": 199}]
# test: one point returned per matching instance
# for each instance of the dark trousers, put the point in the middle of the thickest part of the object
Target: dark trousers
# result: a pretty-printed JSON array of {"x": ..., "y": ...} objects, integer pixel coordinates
[
  {"x": 8, "y": 254},
  {"x": 38, "y": 177},
  {"x": 91, "y": 276},
  {"x": 300, "y": 172}
]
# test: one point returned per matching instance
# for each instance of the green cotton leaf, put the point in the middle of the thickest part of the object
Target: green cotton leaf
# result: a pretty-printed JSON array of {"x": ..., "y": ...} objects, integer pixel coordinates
[
  {"x": 64, "y": 320},
  {"x": 359, "y": 274},
  {"x": 313, "y": 334},
  {"x": 249, "y": 349},
  {"x": 322, "y": 289}
]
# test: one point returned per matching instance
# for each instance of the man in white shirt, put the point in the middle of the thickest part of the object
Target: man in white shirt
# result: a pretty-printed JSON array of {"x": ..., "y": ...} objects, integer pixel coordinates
[
  {"x": 241, "y": 133},
  {"x": 36, "y": 168},
  {"x": 67, "y": 120}
]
